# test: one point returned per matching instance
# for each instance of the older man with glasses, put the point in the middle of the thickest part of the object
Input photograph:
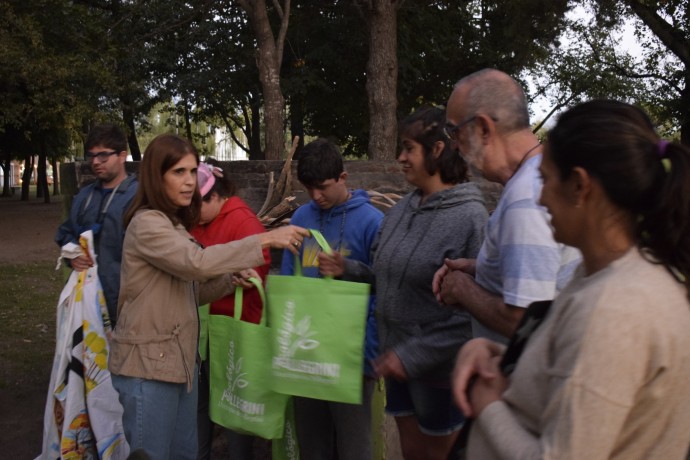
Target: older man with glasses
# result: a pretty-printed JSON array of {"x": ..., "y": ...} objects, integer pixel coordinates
[
  {"x": 519, "y": 261},
  {"x": 100, "y": 207}
]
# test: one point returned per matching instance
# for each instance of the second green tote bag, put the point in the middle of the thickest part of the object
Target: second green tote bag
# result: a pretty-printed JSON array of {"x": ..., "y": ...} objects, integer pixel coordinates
[
  {"x": 241, "y": 397},
  {"x": 318, "y": 327}
]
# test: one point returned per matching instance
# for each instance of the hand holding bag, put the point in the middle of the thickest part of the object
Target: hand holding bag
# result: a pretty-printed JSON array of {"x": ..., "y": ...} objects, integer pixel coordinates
[
  {"x": 240, "y": 355},
  {"x": 318, "y": 327}
]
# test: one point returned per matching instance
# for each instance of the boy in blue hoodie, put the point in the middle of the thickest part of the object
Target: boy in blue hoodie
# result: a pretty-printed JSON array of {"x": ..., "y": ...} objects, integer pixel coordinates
[{"x": 349, "y": 222}]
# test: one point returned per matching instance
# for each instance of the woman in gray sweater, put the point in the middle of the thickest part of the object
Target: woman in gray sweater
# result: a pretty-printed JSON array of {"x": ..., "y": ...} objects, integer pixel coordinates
[{"x": 443, "y": 217}]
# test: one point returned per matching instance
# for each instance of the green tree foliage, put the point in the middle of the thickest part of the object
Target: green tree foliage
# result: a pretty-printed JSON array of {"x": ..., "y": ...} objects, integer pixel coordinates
[
  {"x": 442, "y": 41},
  {"x": 139, "y": 46},
  {"x": 324, "y": 69},
  {"x": 42, "y": 80},
  {"x": 590, "y": 60},
  {"x": 65, "y": 65},
  {"x": 324, "y": 74},
  {"x": 215, "y": 72}
]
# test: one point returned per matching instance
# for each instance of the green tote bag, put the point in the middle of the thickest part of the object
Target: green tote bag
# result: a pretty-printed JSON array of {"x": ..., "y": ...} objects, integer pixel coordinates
[
  {"x": 240, "y": 355},
  {"x": 318, "y": 327},
  {"x": 287, "y": 447}
]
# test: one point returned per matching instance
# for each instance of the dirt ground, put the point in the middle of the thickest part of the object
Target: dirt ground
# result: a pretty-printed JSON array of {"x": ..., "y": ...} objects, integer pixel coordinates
[
  {"x": 27, "y": 230},
  {"x": 26, "y": 236}
]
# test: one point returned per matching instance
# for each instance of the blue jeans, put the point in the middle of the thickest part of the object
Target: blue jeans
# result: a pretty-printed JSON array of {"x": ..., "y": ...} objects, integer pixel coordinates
[{"x": 159, "y": 417}]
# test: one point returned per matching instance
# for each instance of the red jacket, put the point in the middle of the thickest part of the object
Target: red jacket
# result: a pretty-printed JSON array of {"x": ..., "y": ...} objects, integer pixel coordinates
[{"x": 234, "y": 222}]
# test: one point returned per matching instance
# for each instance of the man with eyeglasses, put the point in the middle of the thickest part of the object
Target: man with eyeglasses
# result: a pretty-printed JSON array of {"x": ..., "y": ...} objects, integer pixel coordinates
[
  {"x": 519, "y": 261},
  {"x": 100, "y": 207}
]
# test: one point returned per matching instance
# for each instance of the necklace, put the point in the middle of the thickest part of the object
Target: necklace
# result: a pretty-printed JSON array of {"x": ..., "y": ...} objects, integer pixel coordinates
[{"x": 524, "y": 157}]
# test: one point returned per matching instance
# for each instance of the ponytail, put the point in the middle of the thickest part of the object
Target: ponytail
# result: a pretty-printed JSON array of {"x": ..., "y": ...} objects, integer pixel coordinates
[
  {"x": 649, "y": 178},
  {"x": 665, "y": 228}
]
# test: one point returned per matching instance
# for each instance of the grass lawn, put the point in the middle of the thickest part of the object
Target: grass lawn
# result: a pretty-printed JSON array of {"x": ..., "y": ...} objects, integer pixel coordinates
[
  {"x": 27, "y": 322},
  {"x": 27, "y": 343}
]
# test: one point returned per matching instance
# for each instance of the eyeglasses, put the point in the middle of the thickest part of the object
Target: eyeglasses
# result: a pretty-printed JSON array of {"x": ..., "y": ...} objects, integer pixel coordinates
[
  {"x": 101, "y": 156},
  {"x": 450, "y": 129}
]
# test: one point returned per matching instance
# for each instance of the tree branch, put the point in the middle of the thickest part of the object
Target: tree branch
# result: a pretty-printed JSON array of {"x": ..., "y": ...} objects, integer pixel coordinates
[
  {"x": 662, "y": 29},
  {"x": 625, "y": 71},
  {"x": 279, "y": 9},
  {"x": 280, "y": 42}
]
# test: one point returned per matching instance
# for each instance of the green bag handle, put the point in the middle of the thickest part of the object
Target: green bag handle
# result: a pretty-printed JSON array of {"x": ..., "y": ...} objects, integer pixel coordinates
[
  {"x": 325, "y": 247},
  {"x": 239, "y": 297}
]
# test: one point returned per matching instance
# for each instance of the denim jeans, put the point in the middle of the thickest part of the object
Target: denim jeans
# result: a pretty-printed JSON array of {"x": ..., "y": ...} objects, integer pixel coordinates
[
  {"x": 159, "y": 417},
  {"x": 431, "y": 404}
]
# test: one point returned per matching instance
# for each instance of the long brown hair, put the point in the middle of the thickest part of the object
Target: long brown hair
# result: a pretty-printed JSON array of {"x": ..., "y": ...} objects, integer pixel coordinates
[{"x": 164, "y": 152}]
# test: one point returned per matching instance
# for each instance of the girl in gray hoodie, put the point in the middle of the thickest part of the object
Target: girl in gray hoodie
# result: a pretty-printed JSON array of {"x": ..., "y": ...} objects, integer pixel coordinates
[{"x": 444, "y": 217}]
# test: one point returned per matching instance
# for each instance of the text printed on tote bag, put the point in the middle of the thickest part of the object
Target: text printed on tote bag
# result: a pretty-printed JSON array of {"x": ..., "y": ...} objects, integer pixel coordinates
[{"x": 236, "y": 380}]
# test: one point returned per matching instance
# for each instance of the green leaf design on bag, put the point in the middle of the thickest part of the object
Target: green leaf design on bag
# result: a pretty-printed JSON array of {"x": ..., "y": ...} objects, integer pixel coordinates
[
  {"x": 303, "y": 342},
  {"x": 238, "y": 382},
  {"x": 303, "y": 326}
]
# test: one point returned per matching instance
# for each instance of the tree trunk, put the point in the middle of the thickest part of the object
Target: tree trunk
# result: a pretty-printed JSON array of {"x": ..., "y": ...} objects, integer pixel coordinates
[
  {"x": 56, "y": 176},
  {"x": 6, "y": 171},
  {"x": 187, "y": 122},
  {"x": 274, "y": 114},
  {"x": 26, "y": 176},
  {"x": 269, "y": 59},
  {"x": 255, "y": 152},
  {"x": 685, "y": 116},
  {"x": 297, "y": 123},
  {"x": 128, "y": 117},
  {"x": 42, "y": 176},
  {"x": 382, "y": 78}
]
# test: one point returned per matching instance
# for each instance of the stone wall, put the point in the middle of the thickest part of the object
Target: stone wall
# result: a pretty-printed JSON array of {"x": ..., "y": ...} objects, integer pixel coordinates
[{"x": 251, "y": 179}]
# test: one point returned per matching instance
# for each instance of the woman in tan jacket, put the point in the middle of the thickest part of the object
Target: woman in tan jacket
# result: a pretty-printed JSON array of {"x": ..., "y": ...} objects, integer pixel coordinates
[{"x": 165, "y": 275}]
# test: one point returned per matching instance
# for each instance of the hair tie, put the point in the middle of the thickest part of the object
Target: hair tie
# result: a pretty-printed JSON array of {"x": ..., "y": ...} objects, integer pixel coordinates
[{"x": 661, "y": 147}]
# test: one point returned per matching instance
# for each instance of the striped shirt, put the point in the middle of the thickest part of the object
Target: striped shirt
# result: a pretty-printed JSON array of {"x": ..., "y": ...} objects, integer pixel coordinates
[{"x": 519, "y": 259}]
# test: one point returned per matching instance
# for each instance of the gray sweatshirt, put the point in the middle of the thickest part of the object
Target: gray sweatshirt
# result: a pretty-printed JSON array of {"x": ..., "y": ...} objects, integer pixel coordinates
[{"x": 413, "y": 241}]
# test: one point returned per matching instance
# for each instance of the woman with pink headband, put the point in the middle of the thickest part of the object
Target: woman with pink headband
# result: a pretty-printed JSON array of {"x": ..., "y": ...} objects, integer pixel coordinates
[{"x": 225, "y": 217}]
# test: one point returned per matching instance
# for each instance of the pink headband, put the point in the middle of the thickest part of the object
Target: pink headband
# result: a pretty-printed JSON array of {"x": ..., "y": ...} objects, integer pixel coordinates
[{"x": 206, "y": 176}]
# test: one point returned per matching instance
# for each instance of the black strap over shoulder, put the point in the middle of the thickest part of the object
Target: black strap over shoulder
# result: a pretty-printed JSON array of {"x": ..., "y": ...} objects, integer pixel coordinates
[{"x": 534, "y": 316}]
